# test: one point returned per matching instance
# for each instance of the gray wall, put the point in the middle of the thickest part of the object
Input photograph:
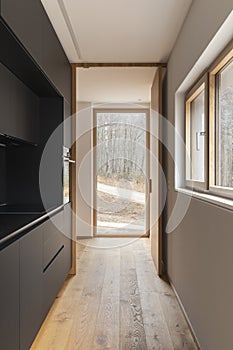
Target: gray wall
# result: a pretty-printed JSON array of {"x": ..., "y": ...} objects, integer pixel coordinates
[{"x": 200, "y": 249}]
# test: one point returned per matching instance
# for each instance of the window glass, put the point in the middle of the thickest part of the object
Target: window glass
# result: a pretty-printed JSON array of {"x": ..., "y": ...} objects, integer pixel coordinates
[
  {"x": 197, "y": 130},
  {"x": 195, "y": 136},
  {"x": 224, "y": 127}
]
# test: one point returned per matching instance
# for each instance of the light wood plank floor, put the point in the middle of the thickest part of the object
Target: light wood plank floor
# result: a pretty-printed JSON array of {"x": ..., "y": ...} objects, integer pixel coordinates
[{"x": 116, "y": 301}]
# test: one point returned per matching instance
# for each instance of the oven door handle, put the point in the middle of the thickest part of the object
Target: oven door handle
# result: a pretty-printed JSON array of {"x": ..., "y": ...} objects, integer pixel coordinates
[{"x": 66, "y": 159}]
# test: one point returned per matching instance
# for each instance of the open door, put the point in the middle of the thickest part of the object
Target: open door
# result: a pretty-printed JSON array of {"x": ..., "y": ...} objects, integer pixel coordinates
[
  {"x": 156, "y": 176},
  {"x": 121, "y": 172}
]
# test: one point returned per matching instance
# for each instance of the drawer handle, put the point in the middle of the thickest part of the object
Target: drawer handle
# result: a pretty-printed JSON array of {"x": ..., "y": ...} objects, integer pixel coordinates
[{"x": 53, "y": 258}]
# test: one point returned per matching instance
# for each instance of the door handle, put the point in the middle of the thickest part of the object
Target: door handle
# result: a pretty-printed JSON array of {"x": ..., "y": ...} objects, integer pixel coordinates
[{"x": 150, "y": 186}]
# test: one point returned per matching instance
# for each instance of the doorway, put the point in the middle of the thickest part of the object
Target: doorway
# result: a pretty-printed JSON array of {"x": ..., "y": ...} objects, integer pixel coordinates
[
  {"x": 108, "y": 84},
  {"x": 121, "y": 173}
]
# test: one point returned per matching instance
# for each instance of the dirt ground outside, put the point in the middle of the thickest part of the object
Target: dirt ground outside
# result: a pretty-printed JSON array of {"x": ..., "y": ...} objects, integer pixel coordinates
[
  {"x": 134, "y": 183},
  {"x": 114, "y": 209}
]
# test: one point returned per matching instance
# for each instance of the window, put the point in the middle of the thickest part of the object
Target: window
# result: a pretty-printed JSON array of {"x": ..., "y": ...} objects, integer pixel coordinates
[
  {"x": 224, "y": 127},
  {"x": 196, "y": 135},
  {"x": 209, "y": 129},
  {"x": 221, "y": 125}
]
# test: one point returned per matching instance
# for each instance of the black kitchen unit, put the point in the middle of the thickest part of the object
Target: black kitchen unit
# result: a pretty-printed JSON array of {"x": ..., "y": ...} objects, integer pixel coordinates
[{"x": 35, "y": 231}]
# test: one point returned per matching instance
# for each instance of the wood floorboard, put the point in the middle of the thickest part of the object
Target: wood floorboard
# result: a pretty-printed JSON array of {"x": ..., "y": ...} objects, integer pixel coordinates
[
  {"x": 107, "y": 325},
  {"x": 115, "y": 302},
  {"x": 82, "y": 333},
  {"x": 132, "y": 332}
]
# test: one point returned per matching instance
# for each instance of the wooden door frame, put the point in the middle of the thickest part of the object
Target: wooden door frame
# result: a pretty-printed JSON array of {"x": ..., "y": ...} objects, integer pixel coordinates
[
  {"x": 120, "y": 64},
  {"x": 73, "y": 189},
  {"x": 73, "y": 186},
  {"x": 120, "y": 110},
  {"x": 158, "y": 78}
]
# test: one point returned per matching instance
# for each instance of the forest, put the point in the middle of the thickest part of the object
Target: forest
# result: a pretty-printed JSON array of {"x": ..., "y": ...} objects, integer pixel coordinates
[{"x": 121, "y": 142}]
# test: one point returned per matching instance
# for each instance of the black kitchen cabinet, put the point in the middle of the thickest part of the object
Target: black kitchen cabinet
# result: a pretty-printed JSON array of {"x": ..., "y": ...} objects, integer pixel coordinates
[
  {"x": 2, "y": 175},
  {"x": 35, "y": 94},
  {"x": 67, "y": 125},
  {"x": 24, "y": 17},
  {"x": 54, "y": 61},
  {"x": 45, "y": 260},
  {"x": 32, "y": 271},
  {"x": 57, "y": 257},
  {"x": 31, "y": 286},
  {"x": 67, "y": 109},
  {"x": 19, "y": 108},
  {"x": 67, "y": 238},
  {"x": 31, "y": 25},
  {"x": 9, "y": 297}
]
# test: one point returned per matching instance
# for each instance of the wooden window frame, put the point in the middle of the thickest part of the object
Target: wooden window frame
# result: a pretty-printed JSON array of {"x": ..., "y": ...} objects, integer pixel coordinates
[
  {"x": 201, "y": 85},
  {"x": 219, "y": 64}
]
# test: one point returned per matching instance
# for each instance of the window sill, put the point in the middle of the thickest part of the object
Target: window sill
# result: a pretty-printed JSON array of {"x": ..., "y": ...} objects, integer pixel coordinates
[{"x": 210, "y": 198}]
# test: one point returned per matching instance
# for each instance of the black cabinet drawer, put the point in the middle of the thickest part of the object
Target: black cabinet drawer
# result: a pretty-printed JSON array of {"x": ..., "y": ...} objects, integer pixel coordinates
[
  {"x": 41, "y": 277},
  {"x": 52, "y": 238},
  {"x": 31, "y": 286},
  {"x": 67, "y": 238},
  {"x": 53, "y": 278},
  {"x": 59, "y": 266},
  {"x": 9, "y": 297},
  {"x": 68, "y": 220}
]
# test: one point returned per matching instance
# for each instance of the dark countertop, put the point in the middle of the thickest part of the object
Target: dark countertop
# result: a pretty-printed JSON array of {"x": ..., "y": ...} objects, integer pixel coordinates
[{"x": 15, "y": 224}]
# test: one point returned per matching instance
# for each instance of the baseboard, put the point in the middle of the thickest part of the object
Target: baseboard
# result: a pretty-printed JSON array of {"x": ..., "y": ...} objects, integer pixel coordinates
[{"x": 184, "y": 313}]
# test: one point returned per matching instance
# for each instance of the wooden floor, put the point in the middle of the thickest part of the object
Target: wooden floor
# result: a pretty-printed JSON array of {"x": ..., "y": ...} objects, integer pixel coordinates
[{"x": 115, "y": 301}]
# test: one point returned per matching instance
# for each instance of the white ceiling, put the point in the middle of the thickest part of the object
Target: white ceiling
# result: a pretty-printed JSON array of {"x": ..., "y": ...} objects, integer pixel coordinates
[
  {"x": 117, "y": 30},
  {"x": 115, "y": 85}
]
